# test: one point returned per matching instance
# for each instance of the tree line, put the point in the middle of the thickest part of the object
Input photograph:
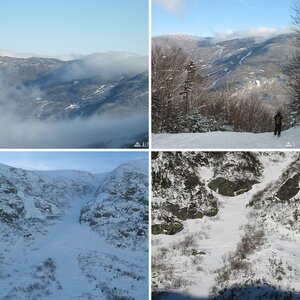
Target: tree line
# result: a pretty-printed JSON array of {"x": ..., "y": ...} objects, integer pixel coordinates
[{"x": 183, "y": 102}]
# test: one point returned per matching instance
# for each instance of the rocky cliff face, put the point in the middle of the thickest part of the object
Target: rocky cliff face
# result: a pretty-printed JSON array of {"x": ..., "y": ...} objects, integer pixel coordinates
[
  {"x": 26, "y": 195},
  {"x": 120, "y": 210},
  {"x": 182, "y": 190}
]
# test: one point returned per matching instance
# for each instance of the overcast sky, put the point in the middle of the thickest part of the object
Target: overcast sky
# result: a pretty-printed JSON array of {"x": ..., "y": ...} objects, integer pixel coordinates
[
  {"x": 55, "y": 27},
  {"x": 209, "y": 18},
  {"x": 95, "y": 162}
]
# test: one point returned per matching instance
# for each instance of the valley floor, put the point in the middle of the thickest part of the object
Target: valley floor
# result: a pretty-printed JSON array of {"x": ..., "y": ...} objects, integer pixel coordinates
[
  {"x": 79, "y": 265},
  {"x": 229, "y": 140}
]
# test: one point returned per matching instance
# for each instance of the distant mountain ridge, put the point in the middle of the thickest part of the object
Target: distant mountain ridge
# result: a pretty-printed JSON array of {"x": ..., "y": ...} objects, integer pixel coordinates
[{"x": 248, "y": 65}]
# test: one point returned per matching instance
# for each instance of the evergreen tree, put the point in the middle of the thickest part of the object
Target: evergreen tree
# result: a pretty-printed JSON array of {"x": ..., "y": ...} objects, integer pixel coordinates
[{"x": 188, "y": 86}]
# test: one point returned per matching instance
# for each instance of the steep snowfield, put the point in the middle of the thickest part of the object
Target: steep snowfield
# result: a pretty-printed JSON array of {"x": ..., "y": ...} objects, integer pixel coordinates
[
  {"x": 187, "y": 264},
  {"x": 47, "y": 253},
  {"x": 229, "y": 140}
]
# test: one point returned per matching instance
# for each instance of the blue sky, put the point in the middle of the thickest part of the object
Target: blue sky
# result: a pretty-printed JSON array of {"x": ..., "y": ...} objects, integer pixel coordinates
[
  {"x": 212, "y": 17},
  {"x": 95, "y": 162},
  {"x": 54, "y": 27}
]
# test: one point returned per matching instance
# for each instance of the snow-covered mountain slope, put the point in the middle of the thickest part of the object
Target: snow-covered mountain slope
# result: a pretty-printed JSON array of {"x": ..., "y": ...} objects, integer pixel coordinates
[
  {"x": 120, "y": 210},
  {"x": 248, "y": 249},
  {"x": 252, "y": 65},
  {"x": 229, "y": 140},
  {"x": 48, "y": 252},
  {"x": 50, "y": 89}
]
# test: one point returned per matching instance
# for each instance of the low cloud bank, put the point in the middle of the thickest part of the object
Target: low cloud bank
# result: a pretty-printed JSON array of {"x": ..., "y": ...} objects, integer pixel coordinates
[
  {"x": 19, "y": 131},
  {"x": 14, "y": 98},
  {"x": 106, "y": 65},
  {"x": 99, "y": 132},
  {"x": 260, "y": 32}
]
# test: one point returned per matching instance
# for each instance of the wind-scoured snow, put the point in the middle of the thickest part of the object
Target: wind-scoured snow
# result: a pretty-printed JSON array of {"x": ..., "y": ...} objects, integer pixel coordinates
[{"x": 229, "y": 140}]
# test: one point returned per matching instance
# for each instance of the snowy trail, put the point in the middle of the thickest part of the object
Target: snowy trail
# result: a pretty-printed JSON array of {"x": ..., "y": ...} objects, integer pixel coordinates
[
  {"x": 230, "y": 140},
  {"x": 244, "y": 57},
  {"x": 63, "y": 243},
  {"x": 233, "y": 215},
  {"x": 63, "y": 246}
]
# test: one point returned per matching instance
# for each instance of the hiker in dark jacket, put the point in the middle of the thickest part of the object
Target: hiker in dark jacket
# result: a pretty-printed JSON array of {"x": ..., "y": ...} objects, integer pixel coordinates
[{"x": 278, "y": 123}]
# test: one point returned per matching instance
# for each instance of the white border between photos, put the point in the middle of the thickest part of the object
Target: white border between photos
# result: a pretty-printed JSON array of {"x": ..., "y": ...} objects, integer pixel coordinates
[{"x": 150, "y": 149}]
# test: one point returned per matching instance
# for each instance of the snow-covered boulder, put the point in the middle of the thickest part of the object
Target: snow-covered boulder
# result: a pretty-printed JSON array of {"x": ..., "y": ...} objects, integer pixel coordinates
[{"x": 11, "y": 207}]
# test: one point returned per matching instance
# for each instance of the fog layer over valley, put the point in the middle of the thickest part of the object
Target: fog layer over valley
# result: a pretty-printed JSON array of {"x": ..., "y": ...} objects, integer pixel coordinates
[{"x": 100, "y": 101}]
